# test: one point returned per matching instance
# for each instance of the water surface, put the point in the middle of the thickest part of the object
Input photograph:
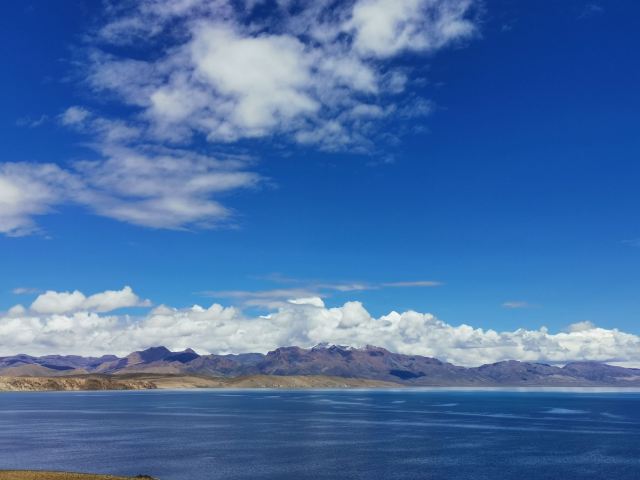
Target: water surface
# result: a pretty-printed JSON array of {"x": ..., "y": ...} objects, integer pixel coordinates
[{"x": 359, "y": 434}]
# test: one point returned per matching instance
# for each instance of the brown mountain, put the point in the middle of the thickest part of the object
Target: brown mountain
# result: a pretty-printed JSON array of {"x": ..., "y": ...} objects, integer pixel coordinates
[{"x": 369, "y": 363}]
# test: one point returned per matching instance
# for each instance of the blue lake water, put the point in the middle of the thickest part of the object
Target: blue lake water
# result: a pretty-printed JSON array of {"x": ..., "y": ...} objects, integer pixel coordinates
[{"x": 359, "y": 434}]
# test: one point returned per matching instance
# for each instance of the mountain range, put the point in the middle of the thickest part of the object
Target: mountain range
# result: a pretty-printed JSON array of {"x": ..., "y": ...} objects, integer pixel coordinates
[{"x": 371, "y": 363}]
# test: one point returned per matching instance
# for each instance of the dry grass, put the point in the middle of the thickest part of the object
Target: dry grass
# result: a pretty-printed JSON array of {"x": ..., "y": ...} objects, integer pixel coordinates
[
  {"x": 137, "y": 381},
  {"x": 39, "y": 475},
  {"x": 77, "y": 382}
]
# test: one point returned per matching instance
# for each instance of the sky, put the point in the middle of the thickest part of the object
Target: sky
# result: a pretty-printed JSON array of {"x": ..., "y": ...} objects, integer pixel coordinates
[{"x": 455, "y": 178}]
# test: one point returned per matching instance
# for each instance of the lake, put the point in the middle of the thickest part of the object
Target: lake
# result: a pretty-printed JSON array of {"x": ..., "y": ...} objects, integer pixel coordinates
[{"x": 313, "y": 434}]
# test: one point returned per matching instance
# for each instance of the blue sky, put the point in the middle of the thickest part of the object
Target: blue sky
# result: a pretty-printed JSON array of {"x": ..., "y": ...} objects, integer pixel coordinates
[{"x": 506, "y": 174}]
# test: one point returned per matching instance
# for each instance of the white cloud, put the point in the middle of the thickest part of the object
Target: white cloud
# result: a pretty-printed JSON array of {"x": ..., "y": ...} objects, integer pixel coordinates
[
  {"x": 313, "y": 301},
  {"x": 270, "y": 299},
  {"x": 28, "y": 190},
  {"x": 273, "y": 298},
  {"x": 632, "y": 243},
  {"x": 320, "y": 73},
  {"x": 30, "y": 122},
  {"x": 264, "y": 81},
  {"x": 513, "y": 304},
  {"x": 70, "y": 322},
  {"x": 16, "y": 311},
  {"x": 74, "y": 116},
  {"x": 148, "y": 186},
  {"x": 311, "y": 72},
  {"x": 24, "y": 290},
  {"x": 58, "y": 302},
  {"x": 52, "y": 302},
  {"x": 416, "y": 283},
  {"x": 383, "y": 28},
  {"x": 583, "y": 326},
  {"x": 107, "y": 131},
  {"x": 162, "y": 188},
  {"x": 590, "y": 10}
]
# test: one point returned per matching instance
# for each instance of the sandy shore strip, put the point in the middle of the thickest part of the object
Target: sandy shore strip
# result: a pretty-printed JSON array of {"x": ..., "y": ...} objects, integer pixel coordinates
[
  {"x": 163, "y": 381},
  {"x": 43, "y": 475}
]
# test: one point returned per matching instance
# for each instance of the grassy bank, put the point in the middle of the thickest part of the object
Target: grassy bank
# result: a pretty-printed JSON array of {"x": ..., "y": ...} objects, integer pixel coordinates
[{"x": 41, "y": 475}]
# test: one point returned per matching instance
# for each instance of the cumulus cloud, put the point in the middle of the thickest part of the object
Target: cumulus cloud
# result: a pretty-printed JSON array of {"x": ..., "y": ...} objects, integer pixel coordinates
[
  {"x": 258, "y": 97},
  {"x": 317, "y": 73},
  {"x": 382, "y": 28},
  {"x": 70, "y": 322},
  {"x": 583, "y": 326},
  {"x": 52, "y": 302},
  {"x": 320, "y": 73}
]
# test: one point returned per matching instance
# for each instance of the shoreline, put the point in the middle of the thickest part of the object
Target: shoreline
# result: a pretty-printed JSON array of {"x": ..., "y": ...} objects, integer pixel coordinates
[
  {"x": 148, "y": 382},
  {"x": 56, "y": 475},
  {"x": 162, "y": 382}
]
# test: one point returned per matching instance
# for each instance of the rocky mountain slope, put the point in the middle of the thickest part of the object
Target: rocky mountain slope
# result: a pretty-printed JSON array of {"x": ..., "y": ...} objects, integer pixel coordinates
[{"x": 369, "y": 363}]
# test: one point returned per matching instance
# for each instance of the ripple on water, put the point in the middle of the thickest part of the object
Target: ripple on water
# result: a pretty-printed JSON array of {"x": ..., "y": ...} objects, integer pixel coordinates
[{"x": 565, "y": 411}]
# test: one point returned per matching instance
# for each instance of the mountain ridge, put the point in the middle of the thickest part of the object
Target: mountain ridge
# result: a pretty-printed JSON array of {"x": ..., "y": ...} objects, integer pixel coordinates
[{"x": 368, "y": 363}]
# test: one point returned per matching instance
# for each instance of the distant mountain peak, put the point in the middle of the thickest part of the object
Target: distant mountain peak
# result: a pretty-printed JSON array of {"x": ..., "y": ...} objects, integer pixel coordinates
[
  {"x": 151, "y": 354},
  {"x": 331, "y": 346},
  {"x": 373, "y": 348},
  {"x": 156, "y": 350},
  {"x": 370, "y": 362}
]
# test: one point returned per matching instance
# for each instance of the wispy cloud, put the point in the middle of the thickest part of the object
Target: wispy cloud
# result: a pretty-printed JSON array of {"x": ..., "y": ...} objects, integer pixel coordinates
[
  {"x": 25, "y": 290},
  {"x": 418, "y": 283},
  {"x": 263, "y": 298},
  {"x": 148, "y": 185},
  {"x": 305, "y": 289},
  {"x": 591, "y": 9},
  {"x": 28, "y": 190},
  {"x": 515, "y": 304},
  {"x": 30, "y": 122},
  {"x": 635, "y": 242}
]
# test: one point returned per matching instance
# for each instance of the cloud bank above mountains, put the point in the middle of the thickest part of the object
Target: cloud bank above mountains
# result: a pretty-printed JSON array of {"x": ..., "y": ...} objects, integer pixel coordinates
[
  {"x": 73, "y": 323},
  {"x": 176, "y": 74}
]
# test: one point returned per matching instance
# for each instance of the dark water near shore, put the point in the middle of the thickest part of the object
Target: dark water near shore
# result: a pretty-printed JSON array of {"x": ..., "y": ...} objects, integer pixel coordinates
[{"x": 325, "y": 434}]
